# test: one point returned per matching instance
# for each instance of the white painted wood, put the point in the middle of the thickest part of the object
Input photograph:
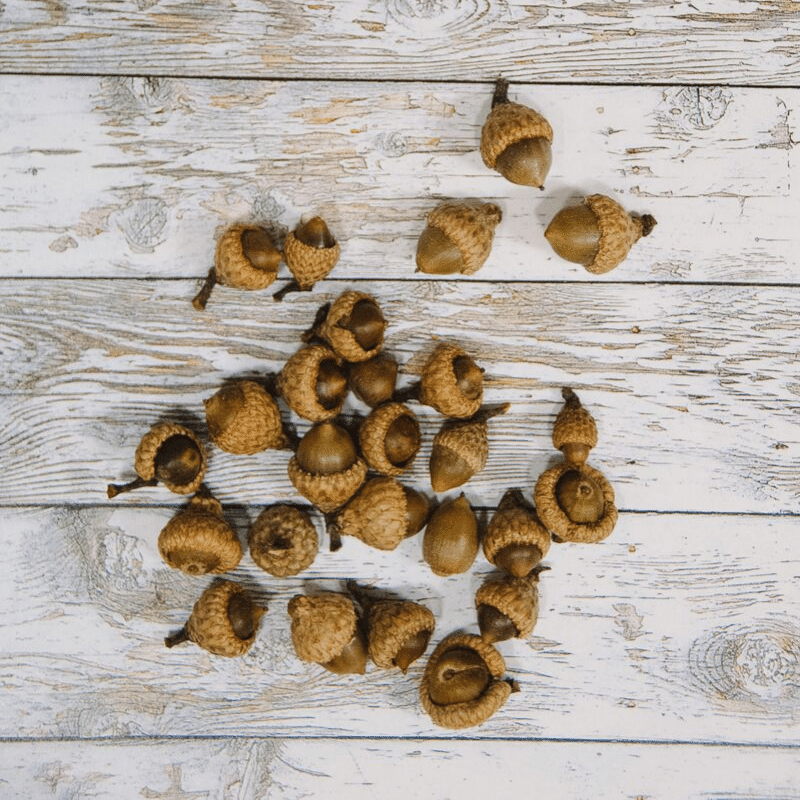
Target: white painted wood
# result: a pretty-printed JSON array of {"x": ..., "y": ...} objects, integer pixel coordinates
[
  {"x": 233, "y": 769},
  {"x": 140, "y": 176},
  {"x": 631, "y": 42}
]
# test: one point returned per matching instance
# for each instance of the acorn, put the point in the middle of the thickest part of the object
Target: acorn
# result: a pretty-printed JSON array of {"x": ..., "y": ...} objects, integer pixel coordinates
[
  {"x": 313, "y": 383},
  {"x": 460, "y": 449},
  {"x": 597, "y": 234},
  {"x": 516, "y": 140},
  {"x": 243, "y": 418},
  {"x": 381, "y": 515},
  {"x": 326, "y": 469},
  {"x": 283, "y": 540},
  {"x": 390, "y": 438},
  {"x": 310, "y": 252},
  {"x": 515, "y": 541},
  {"x": 171, "y": 454},
  {"x": 198, "y": 540},
  {"x": 224, "y": 621},
  {"x": 574, "y": 431},
  {"x": 246, "y": 258},
  {"x": 458, "y": 237},
  {"x": 450, "y": 541},
  {"x": 353, "y": 325},
  {"x": 373, "y": 382},
  {"x": 462, "y": 684},
  {"x": 508, "y": 607},
  {"x": 326, "y": 630}
]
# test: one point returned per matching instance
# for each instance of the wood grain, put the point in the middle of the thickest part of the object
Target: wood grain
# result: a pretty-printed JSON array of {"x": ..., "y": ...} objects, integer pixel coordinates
[
  {"x": 636, "y": 42},
  {"x": 141, "y": 175}
]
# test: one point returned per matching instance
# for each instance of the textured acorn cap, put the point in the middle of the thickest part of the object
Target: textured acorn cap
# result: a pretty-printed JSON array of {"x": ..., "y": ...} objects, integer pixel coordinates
[
  {"x": 372, "y": 437},
  {"x": 308, "y": 264},
  {"x": 574, "y": 425},
  {"x": 467, "y": 441},
  {"x": 232, "y": 266},
  {"x": 297, "y": 382},
  {"x": 619, "y": 231},
  {"x": 472, "y": 712},
  {"x": 508, "y": 123},
  {"x": 513, "y": 524},
  {"x": 439, "y": 387},
  {"x": 390, "y": 624},
  {"x": 340, "y": 339},
  {"x": 470, "y": 226},
  {"x": 328, "y": 492},
  {"x": 209, "y": 626},
  {"x": 376, "y": 515},
  {"x": 278, "y": 526},
  {"x": 322, "y": 625},
  {"x": 517, "y": 598},
  {"x": 198, "y": 537},
  {"x": 554, "y": 518},
  {"x": 145, "y": 459}
]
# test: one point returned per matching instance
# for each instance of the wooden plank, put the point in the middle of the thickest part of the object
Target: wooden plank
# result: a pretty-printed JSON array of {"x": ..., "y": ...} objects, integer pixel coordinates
[
  {"x": 278, "y": 769},
  {"x": 754, "y": 43},
  {"x": 693, "y": 387},
  {"x": 676, "y": 628},
  {"x": 154, "y": 169}
]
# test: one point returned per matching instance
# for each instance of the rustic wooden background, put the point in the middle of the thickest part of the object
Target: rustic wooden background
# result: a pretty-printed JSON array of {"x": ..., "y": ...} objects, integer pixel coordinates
[{"x": 666, "y": 662}]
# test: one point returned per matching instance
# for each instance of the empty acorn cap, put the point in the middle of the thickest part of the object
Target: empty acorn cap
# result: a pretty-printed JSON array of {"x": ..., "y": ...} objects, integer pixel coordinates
[
  {"x": 389, "y": 438},
  {"x": 246, "y": 258},
  {"x": 354, "y": 326},
  {"x": 451, "y": 382},
  {"x": 450, "y": 541},
  {"x": 517, "y": 599},
  {"x": 148, "y": 450},
  {"x": 283, "y": 541},
  {"x": 376, "y": 515},
  {"x": 309, "y": 254},
  {"x": 299, "y": 383},
  {"x": 574, "y": 431},
  {"x": 398, "y": 632}
]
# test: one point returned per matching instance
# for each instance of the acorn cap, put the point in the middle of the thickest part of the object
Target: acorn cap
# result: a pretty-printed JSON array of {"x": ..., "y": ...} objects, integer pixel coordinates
[
  {"x": 372, "y": 437},
  {"x": 198, "y": 540},
  {"x": 390, "y": 624},
  {"x": 232, "y": 266},
  {"x": 297, "y": 382},
  {"x": 439, "y": 386},
  {"x": 472, "y": 712},
  {"x": 554, "y": 518},
  {"x": 283, "y": 541},
  {"x": 308, "y": 264},
  {"x": 619, "y": 231},
  {"x": 514, "y": 524},
  {"x": 341, "y": 339},
  {"x": 328, "y": 492},
  {"x": 376, "y": 515},
  {"x": 470, "y": 226},
  {"x": 507, "y": 124},
  {"x": 574, "y": 425},
  {"x": 145, "y": 459},
  {"x": 517, "y": 598},
  {"x": 209, "y": 626},
  {"x": 322, "y": 625}
]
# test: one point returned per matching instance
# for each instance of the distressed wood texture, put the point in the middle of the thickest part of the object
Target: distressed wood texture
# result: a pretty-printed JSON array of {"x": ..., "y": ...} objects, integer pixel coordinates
[
  {"x": 694, "y": 387},
  {"x": 677, "y": 628},
  {"x": 283, "y": 769},
  {"x": 631, "y": 42},
  {"x": 140, "y": 176}
]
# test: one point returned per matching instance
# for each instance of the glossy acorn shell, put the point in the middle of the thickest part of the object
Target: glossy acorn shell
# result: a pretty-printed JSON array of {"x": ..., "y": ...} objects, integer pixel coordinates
[
  {"x": 322, "y": 625},
  {"x": 309, "y": 264},
  {"x": 515, "y": 524},
  {"x": 233, "y": 268},
  {"x": 146, "y": 452},
  {"x": 390, "y": 624},
  {"x": 517, "y": 598},
  {"x": 450, "y": 541},
  {"x": 372, "y": 437},
  {"x": 295, "y": 532},
  {"x": 459, "y": 452},
  {"x": 341, "y": 340},
  {"x": 297, "y": 382},
  {"x": 439, "y": 386}
]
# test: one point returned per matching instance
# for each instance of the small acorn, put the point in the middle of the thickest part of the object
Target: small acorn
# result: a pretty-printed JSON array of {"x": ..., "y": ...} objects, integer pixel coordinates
[
  {"x": 283, "y": 540},
  {"x": 198, "y": 540},
  {"x": 515, "y": 541},
  {"x": 508, "y": 607},
  {"x": 171, "y": 454},
  {"x": 224, "y": 621},
  {"x": 460, "y": 449},
  {"x": 516, "y": 140},
  {"x": 390, "y": 438},
  {"x": 462, "y": 684},
  {"x": 313, "y": 383},
  {"x": 246, "y": 258},
  {"x": 310, "y": 252},
  {"x": 574, "y": 431},
  {"x": 597, "y": 234},
  {"x": 373, "y": 382},
  {"x": 353, "y": 325},
  {"x": 326, "y": 469},
  {"x": 450, "y": 541},
  {"x": 458, "y": 237},
  {"x": 326, "y": 630}
]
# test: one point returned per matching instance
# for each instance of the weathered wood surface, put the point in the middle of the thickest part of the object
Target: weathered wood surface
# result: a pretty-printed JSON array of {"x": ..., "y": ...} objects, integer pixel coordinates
[
  {"x": 140, "y": 176},
  {"x": 631, "y": 42},
  {"x": 677, "y": 628},
  {"x": 232, "y": 769}
]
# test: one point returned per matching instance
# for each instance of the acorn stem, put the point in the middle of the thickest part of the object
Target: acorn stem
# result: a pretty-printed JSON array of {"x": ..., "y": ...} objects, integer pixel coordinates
[
  {"x": 177, "y": 638},
  {"x": 361, "y": 597},
  {"x": 313, "y": 332},
  {"x": 487, "y": 412},
  {"x": 572, "y": 400},
  {"x": 201, "y": 298},
  {"x": 500, "y": 92},
  {"x": 332, "y": 527},
  {"x": 116, "y": 488},
  {"x": 515, "y": 687},
  {"x": 648, "y": 223},
  {"x": 292, "y": 286},
  {"x": 410, "y": 392}
]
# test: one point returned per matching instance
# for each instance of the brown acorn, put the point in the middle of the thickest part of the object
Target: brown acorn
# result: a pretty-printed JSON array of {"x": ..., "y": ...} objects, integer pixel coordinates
[
  {"x": 390, "y": 438},
  {"x": 353, "y": 325},
  {"x": 515, "y": 541},
  {"x": 460, "y": 449},
  {"x": 326, "y": 631},
  {"x": 462, "y": 684},
  {"x": 450, "y": 541},
  {"x": 574, "y": 431},
  {"x": 373, "y": 382},
  {"x": 326, "y": 469},
  {"x": 458, "y": 237},
  {"x": 508, "y": 607},
  {"x": 171, "y": 454},
  {"x": 310, "y": 252},
  {"x": 516, "y": 140},
  {"x": 283, "y": 540},
  {"x": 313, "y": 383},
  {"x": 198, "y": 540},
  {"x": 597, "y": 234},
  {"x": 246, "y": 258},
  {"x": 224, "y": 621}
]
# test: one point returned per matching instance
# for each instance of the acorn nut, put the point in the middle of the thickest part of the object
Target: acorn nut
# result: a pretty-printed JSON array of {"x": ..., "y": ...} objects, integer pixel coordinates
[
  {"x": 450, "y": 541},
  {"x": 310, "y": 252},
  {"x": 353, "y": 325},
  {"x": 373, "y": 382},
  {"x": 390, "y": 438},
  {"x": 508, "y": 607},
  {"x": 313, "y": 383},
  {"x": 283, "y": 540}
]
